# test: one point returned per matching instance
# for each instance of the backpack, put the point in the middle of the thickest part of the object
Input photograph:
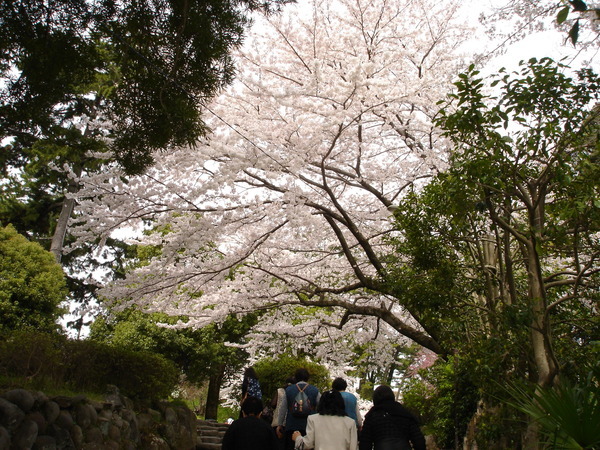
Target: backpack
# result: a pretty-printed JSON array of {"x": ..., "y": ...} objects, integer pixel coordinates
[
  {"x": 301, "y": 406},
  {"x": 254, "y": 388}
]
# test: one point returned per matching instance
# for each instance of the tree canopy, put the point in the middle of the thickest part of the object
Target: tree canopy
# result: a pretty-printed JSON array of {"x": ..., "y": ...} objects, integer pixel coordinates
[
  {"x": 329, "y": 123},
  {"x": 132, "y": 75}
]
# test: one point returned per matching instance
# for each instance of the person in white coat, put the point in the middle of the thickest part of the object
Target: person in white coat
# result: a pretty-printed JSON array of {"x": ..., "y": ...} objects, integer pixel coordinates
[{"x": 330, "y": 428}]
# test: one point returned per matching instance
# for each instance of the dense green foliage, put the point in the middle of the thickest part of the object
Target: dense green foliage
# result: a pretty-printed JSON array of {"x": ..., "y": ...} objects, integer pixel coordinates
[
  {"x": 41, "y": 361},
  {"x": 568, "y": 413},
  {"x": 32, "y": 284},
  {"x": 197, "y": 353},
  {"x": 498, "y": 254},
  {"x": 273, "y": 372},
  {"x": 145, "y": 67},
  {"x": 143, "y": 376}
]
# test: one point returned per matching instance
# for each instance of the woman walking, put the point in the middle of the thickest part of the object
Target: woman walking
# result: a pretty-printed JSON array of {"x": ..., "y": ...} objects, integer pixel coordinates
[{"x": 330, "y": 428}]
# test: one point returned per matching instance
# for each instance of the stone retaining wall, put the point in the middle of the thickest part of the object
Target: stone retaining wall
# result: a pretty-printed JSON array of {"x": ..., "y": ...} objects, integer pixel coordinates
[{"x": 31, "y": 420}]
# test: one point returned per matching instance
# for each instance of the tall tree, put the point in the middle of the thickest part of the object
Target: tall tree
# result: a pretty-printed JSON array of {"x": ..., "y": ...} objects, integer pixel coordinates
[
  {"x": 98, "y": 82},
  {"x": 528, "y": 159},
  {"x": 83, "y": 81},
  {"x": 504, "y": 243},
  {"x": 329, "y": 123}
]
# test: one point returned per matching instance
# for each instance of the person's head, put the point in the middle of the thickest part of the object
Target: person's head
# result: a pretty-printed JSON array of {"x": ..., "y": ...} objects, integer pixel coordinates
[
  {"x": 301, "y": 375},
  {"x": 331, "y": 404},
  {"x": 289, "y": 381},
  {"x": 382, "y": 394},
  {"x": 252, "y": 406},
  {"x": 250, "y": 373},
  {"x": 339, "y": 384}
]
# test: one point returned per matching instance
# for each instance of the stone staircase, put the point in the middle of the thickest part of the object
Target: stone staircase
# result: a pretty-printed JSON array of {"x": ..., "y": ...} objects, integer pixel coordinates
[{"x": 210, "y": 434}]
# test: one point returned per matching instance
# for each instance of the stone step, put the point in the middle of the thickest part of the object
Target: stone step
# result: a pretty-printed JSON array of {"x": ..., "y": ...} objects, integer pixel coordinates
[
  {"x": 204, "y": 446},
  {"x": 210, "y": 434}
]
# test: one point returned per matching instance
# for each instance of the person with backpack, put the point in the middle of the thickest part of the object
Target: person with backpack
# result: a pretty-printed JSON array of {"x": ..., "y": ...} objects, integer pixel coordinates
[
  {"x": 389, "y": 425},
  {"x": 299, "y": 402},
  {"x": 330, "y": 428}
]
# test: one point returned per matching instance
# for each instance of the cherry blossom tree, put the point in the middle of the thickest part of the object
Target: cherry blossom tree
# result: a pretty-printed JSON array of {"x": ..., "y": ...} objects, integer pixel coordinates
[{"x": 286, "y": 206}]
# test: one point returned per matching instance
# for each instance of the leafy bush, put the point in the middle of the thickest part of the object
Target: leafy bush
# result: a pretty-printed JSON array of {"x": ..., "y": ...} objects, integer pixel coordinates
[
  {"x": 43, "y": 360},
  {"x": 141, "y": 376},
  {"x": 568, "y": 414},
  {"x": 32, "y": 284},
  {"x": 445, "y": 401},
  {"x": 34, "y": 357}
]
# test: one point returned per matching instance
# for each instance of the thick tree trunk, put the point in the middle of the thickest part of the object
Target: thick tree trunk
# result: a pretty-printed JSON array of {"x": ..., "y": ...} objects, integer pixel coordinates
[{"x": 214, "y": 389}]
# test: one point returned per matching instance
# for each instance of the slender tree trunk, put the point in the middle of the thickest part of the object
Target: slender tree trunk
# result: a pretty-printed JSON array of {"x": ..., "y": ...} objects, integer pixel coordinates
[
  {"x": 60, "y": 231},
  {"x": 58, "y": 238},
  {"x": 546, "y": 364},
  {"x": 214, "y": 389}
]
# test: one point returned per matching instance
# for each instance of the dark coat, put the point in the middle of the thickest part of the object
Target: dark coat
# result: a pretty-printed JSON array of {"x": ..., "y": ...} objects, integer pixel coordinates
[
  {"x": 390, "y": 426},
  {"x": 250, "y": 433}
]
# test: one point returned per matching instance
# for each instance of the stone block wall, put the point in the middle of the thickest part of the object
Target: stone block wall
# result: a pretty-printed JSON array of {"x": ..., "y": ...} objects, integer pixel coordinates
[{"x": 31, "y": 420}]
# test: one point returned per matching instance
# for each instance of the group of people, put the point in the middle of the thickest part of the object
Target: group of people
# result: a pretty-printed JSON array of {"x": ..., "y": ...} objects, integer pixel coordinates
[{"x": 304, "y": 418}]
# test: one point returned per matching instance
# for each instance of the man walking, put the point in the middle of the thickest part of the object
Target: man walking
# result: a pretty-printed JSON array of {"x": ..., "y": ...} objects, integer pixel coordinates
[
  {"x": 299, "y": 402},
  {"x": 250, "y": 432}
]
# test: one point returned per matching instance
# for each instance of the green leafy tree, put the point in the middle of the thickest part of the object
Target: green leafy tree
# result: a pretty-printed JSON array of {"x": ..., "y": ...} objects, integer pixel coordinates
[
  {"x": 32, "y": 284},
  {"x": 90, "y": 82},
  {"x": 145, "y": 67},
  {"x": 502, "y": 248},
  {"x": 527, "y": 161}
]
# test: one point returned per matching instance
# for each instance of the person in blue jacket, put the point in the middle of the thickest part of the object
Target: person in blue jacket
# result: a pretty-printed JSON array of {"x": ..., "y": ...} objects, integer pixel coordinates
[
  {"x": 288, "y": 414},
  {"x": 350, "y": 401}
]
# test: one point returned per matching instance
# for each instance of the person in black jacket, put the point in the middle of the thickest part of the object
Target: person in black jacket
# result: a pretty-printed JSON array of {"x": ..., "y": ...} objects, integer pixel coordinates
[
  {"x": 250, "y": 432},
  {"x": 390, "y": 426}
]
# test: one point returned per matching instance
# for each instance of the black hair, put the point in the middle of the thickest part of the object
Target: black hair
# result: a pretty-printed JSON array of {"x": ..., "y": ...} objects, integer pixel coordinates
[
  {"x": 252, "y": 405},
  {"x": 339, "y": 384},
  {"x": 331, "y": 404},
  {"x": 290, "y": 380},
  {"x": 250, "y": 373},
  {"x": 301, "y": 375},
  {"x": 383, "y": 393}
]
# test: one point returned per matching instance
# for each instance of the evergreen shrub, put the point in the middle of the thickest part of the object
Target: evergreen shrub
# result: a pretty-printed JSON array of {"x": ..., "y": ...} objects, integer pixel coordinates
[
  {"x": 43, "y": 360},
  {"x": 141, "y": 376},
  {"x": 32, "y": 356}
]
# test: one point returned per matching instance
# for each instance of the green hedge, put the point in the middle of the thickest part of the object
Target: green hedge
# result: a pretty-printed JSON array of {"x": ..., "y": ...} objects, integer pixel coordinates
[{"x": 48, "y": 360}]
